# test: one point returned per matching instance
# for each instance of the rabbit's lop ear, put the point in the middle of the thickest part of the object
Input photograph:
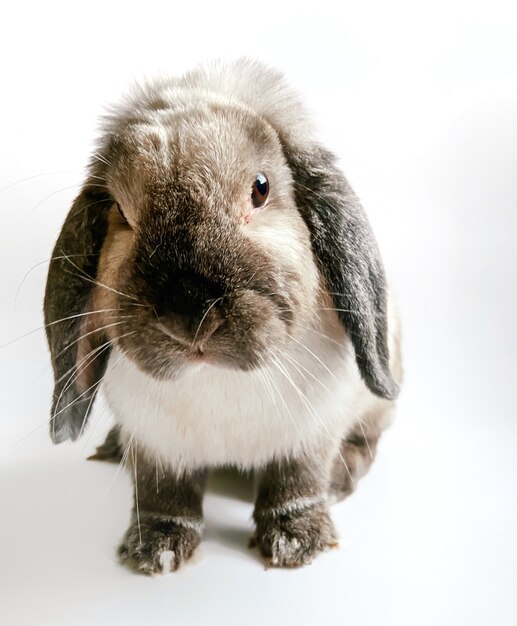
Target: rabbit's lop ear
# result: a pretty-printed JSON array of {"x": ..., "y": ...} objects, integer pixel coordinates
[
  {"x": 78, "y": 365},
  {"x": 348, "y": 257}
]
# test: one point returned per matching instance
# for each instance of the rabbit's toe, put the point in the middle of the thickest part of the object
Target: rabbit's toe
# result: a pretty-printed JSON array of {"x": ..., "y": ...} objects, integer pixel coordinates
[
  {"x": 295, "y": 540},
  {"x": 159, "y": 544}
]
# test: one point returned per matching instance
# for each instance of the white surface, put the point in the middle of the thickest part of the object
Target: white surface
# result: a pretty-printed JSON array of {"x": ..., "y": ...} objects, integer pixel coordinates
[{"x": 420, "y": 103}]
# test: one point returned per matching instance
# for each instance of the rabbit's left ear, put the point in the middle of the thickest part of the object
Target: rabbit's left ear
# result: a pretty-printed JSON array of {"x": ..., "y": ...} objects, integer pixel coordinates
[
  {"x": 78, "y": 356},
  {"x": 348, "y": 257}
]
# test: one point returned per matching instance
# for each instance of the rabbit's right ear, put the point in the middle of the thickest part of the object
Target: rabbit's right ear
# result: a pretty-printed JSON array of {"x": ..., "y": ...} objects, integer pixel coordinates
[
  {"x": 69, "y": 314},
  {"x": 349, "y": 259}
]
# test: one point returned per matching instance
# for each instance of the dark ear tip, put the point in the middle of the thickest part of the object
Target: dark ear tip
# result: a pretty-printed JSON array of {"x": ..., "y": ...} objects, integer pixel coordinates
[
  {"x": 385, "y": 388},
  {"x": 392, "y": 392},
  {"x": 67, "y": 425},
  {"x": 58, "y": 436}
]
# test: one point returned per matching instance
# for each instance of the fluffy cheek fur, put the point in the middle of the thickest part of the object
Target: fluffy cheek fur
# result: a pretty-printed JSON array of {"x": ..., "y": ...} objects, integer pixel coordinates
[
  {"x": 106, "y": 297},
  {"x": 285, "y": 238}
]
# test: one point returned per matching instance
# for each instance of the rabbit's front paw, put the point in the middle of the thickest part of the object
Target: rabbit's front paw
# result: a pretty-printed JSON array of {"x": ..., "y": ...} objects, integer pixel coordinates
[
  {"x": 158, "y": 544},
  {"x": 293, "y": 540}
]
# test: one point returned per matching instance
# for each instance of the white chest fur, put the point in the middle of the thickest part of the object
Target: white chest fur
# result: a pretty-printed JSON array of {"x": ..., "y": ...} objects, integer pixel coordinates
[{"x": 211, "y": 416}]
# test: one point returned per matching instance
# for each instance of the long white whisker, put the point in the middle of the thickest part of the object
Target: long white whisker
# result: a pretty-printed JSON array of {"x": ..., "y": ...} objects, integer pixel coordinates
[
  {"x": 70, "y": 382},
  {"x": 75, "y": 368},
  {"x": 366, "y": 439},
  {"x": 75, "y": 400},
  {"x": 298, "y": 365},
  {"x": 311, "y": 409},
  {"x": 63, "y": 319},
  {"x": 96, "y": 330},
  {"x": 331, "y": 308},
  {"x": 50, "y": 195},
  {"x": 122, "y": 462},
  {"x": 99, "y": 157},
  {"x": 317, "y": 332},
  {"x": 101, "y": 412},
  {"x": 83, "y": 425},
  {"x": 314, "y": 355},
  {"x": 54, "y": 258},
  {"x": 96, "y": 282},
  {"x": 75, "y": 374},
  {"x": 286, "y": 406},
  {"x": 266, "y": 381},
  {"x": 137, "y": 505},
  {"x": 24, "y": 180}
]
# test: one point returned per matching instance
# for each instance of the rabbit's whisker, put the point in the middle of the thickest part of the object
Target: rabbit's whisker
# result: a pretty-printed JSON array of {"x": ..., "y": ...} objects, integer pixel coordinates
[
  {"x": 298, "y": 365},
  {"x": 331, "y": 308},
  {"x": 271, "y": 379},
  {"x": 137, "y": 505},
  {"x": 77, "y": 315},
  {"x": 92, "y": 386},
  {"x": 96, "y": 330},
  {"x": 323, "y": 335},
  {"x": 98, "y": 178},
  {"x": 106, "y": 345},
  {"x": 281, "y": 368},
  {"x": 204, "y": 317},
  {"x": 24, "y": 180},
  {"x": 51, "y": 195},
  {"x": 87, "y": 412},
  {"x": 99, "y": 157},
  {"x": 76, "y": 372},
  {"x": 96, "y": 282},
  {"x": 54, "y": 258},
  {"x": 63, "y": 319},
  {"x": 313, "y": 412},
  {"x": 99, "y": 284},
  {"x": 314, "y": 355},
  {"x": 76, "y": 366},
  {"x": 122, "y": 462},
  {"x": 101, "y": 413},
  {"x": 92, "y": 427},
  {"x": 84, "y": 207},
  {"x": 265, "y": 379},
  {"x": 98, "y": 351},
  {"x": 73, "y": 377},
  {"x": 89, "y": 184}
]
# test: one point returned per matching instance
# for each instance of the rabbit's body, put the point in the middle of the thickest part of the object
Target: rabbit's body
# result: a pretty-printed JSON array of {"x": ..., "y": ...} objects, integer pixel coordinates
[{"x": 219, "y": 277}]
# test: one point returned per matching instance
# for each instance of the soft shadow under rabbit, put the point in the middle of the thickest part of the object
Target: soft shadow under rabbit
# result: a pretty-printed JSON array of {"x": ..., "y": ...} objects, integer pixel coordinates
[{"x": 219, "y": 277}]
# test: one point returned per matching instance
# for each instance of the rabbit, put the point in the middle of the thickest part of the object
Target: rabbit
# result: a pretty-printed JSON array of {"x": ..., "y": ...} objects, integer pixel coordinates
[{"x": 218, "y": 277}]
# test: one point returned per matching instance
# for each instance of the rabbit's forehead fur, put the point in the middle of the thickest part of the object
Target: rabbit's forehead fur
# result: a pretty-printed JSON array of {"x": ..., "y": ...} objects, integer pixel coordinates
[
  {"x": 210, "y": 154},
  {"x": 183, "y": 180}
]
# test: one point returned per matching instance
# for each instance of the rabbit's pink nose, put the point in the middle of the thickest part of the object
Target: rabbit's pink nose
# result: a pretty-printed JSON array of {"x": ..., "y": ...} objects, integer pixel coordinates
[{"x": 190, "y": 331}]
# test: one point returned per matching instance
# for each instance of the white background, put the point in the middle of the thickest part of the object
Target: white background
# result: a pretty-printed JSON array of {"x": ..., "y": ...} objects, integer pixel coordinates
[{"x": 419, "y": 100}]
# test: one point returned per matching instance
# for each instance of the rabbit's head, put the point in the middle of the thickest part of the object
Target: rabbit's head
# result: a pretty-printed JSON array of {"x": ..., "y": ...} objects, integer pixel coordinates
[{"x": 211, "y": 228}]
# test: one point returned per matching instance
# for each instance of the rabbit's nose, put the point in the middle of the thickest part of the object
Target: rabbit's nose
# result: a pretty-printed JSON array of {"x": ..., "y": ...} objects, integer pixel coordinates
[{"x": 190, "y": 330}]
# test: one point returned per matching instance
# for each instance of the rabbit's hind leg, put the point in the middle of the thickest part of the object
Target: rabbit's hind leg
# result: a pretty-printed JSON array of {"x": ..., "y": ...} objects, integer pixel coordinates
[{"x": 111, "y": 449}]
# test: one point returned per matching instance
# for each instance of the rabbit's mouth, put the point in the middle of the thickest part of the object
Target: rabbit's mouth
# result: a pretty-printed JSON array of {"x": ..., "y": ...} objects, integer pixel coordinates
[{"x": 239, "y": 336}]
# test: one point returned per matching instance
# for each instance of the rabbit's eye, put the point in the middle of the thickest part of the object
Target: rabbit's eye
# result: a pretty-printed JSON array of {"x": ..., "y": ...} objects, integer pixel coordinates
[{"x": 260, "y": 190}]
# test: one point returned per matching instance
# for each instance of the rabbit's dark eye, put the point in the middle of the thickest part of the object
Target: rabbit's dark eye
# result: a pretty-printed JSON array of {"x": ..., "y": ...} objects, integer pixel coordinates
[{"x": 260, "y": 190}]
